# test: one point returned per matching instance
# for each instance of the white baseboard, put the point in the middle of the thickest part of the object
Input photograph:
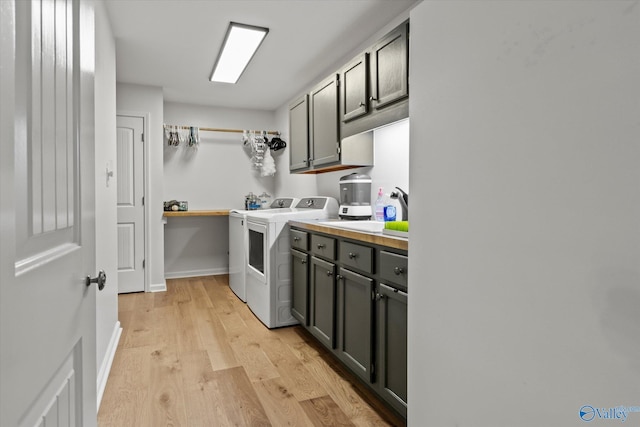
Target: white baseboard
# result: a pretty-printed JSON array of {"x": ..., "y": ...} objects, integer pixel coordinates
[
  {"x": 158, "y": 287},
  {"x": 196, "y": 273},
  {"x": 105, "y": 367}
]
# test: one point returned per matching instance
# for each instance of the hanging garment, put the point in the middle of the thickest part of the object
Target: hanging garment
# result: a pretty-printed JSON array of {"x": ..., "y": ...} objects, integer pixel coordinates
[{"x": 268, "y": 164}]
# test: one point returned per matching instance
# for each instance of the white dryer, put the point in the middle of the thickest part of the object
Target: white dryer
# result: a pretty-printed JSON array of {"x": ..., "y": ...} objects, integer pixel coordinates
[
  {"x": 268, "y": 274},
  {"x": 238, "y": 243}
]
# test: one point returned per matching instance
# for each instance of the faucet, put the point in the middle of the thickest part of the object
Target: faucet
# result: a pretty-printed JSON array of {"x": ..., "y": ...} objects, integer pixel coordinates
[{"x": 404, "y": 202}]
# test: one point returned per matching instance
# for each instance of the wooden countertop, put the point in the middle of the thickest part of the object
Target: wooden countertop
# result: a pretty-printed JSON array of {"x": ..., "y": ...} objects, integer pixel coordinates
[
  {"x": 375, "y": 238},
  {"x": 215, "y": 212}
]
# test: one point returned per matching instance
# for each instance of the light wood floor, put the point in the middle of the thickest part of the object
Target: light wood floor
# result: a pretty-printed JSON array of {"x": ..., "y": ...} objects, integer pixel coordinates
[{"x": 196, "y": 356}]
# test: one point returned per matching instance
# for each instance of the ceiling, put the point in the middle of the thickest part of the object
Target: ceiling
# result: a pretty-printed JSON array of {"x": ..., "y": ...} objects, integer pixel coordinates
[{"x": 173, "y": 44}]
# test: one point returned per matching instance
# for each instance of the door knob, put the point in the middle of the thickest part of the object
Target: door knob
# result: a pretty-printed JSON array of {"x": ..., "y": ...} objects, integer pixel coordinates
[{"x": 100, "y": 280}]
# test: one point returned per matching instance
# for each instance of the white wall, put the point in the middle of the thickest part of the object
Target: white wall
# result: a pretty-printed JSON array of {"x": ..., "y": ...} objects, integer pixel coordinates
[
  {"x": 391, "y": 163},
  {"x": 216, "y": 175},
  {"x": 219, "y": 172},
  {"x": 524, "y": 285},
  {"x": 107, "y": 324},
  {"x": 142, "y": 99}
]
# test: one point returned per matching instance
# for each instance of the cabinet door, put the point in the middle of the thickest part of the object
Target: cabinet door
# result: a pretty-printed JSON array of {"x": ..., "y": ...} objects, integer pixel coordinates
[
  {"x": 299, "y": 134},
  {"x": 389, "y": 68},
  {"x": 392, "y": 350},
  {"x": 300, "y": 288},
  {"x": 355, "y": 93},
  {"x": 322, "y": 302},
  {"x": 355, "y": 323},
  {"x": 324, "y": 129}
]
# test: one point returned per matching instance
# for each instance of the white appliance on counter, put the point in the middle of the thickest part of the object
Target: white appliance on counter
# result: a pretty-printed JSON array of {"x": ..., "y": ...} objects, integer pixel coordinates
[
  {"x": 239, "y": 246},
  {"x": 268, "y": 284}
]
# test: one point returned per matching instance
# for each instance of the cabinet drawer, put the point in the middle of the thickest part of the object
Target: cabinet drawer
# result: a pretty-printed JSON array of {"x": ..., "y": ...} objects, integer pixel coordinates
[
  {"x": 393, "y": 268},
  {"x": 299, "y": 239},
  {"x": 323, "y": 246},
  {"x": 356, "y": 256}
]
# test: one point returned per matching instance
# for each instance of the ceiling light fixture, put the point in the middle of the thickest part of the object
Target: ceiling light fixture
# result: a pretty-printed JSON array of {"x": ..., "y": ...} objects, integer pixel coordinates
[{"x": 240, "y": 44}]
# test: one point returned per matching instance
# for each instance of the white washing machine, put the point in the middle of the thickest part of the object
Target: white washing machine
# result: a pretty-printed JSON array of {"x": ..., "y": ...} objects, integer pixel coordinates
[
  {"x": 238, "y": 243},
  {"x": 268, "y": 274}
]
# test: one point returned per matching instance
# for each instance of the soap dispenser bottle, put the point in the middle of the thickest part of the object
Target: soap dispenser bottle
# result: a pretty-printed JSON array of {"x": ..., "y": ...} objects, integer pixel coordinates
[
  {"x": 380, "y": 206},
  {"x": 389, "y": 209}
]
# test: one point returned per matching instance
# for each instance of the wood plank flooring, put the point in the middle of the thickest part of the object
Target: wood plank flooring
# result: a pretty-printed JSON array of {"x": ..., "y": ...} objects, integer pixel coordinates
[{"x": 195, "y": 355}]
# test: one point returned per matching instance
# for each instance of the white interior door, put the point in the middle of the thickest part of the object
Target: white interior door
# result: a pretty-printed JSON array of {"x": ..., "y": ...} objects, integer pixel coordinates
[
  {"x": 47, "y": 313},
  {"x": 130, "y": 174}
]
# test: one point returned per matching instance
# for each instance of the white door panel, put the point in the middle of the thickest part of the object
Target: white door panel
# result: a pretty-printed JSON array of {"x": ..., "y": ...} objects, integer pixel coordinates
[
  {"x": 130, "y": 174},
  {"x": 47, "y": 313}
]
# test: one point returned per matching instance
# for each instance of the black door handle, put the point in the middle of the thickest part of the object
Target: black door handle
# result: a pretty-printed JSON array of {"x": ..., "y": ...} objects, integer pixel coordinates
[{"x": 101, "y": 280}]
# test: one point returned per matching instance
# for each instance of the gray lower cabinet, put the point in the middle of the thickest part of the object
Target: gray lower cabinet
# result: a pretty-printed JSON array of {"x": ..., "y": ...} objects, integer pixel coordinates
[
  {"x": 351, "y": 296},
  {"x": 392, "y": 346},
  {"x": 300, "y": 279},
  {"x": 355, "y": 322},
  {"x": 322, "y": 301}
]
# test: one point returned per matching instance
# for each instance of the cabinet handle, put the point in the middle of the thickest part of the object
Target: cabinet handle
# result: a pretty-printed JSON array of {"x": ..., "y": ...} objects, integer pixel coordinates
[
  {"x": 353, "y": 255},
  {"x": 303, "y": 261},
  {"x": 329, "y": 273},
  {"x": 380, "y": 296},
  {"x": 296, "y": 239},
  {"x": 321, "y": 245},
  {"x": 371, "y": 98},
  {"x": 398, "y": 270},
  {"x": 362, "y": 104},
  {"x": 339, "y": 277}
]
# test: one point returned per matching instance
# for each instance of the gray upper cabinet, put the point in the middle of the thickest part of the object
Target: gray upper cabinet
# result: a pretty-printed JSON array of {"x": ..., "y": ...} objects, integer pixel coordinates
[
  {"x": 354, "y": 101},
  {"x": 328, "y": 126},
  {"x": 299, "y": 134},
  {"x": 324, "y": 130},
  {"x": 390, "y": 68},
  {"x": 375, "y": 84}
]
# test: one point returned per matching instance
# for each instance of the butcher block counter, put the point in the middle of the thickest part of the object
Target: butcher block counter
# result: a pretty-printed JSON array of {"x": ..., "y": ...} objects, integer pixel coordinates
[
  {"x": 215, "y": 212},
  {"x": 363, "y": 236}
]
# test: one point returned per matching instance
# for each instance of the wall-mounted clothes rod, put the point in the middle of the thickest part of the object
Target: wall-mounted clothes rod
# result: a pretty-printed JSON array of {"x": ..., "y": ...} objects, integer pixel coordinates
[{"x": 269, "y": 132}]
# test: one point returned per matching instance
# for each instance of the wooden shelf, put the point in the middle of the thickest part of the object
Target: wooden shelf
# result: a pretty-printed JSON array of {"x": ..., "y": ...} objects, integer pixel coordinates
[{"x": 215, "y": 212}]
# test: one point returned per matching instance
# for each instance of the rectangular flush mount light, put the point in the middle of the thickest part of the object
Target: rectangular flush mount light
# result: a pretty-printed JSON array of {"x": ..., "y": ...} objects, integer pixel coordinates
[{"x": 240, "y": 44}]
